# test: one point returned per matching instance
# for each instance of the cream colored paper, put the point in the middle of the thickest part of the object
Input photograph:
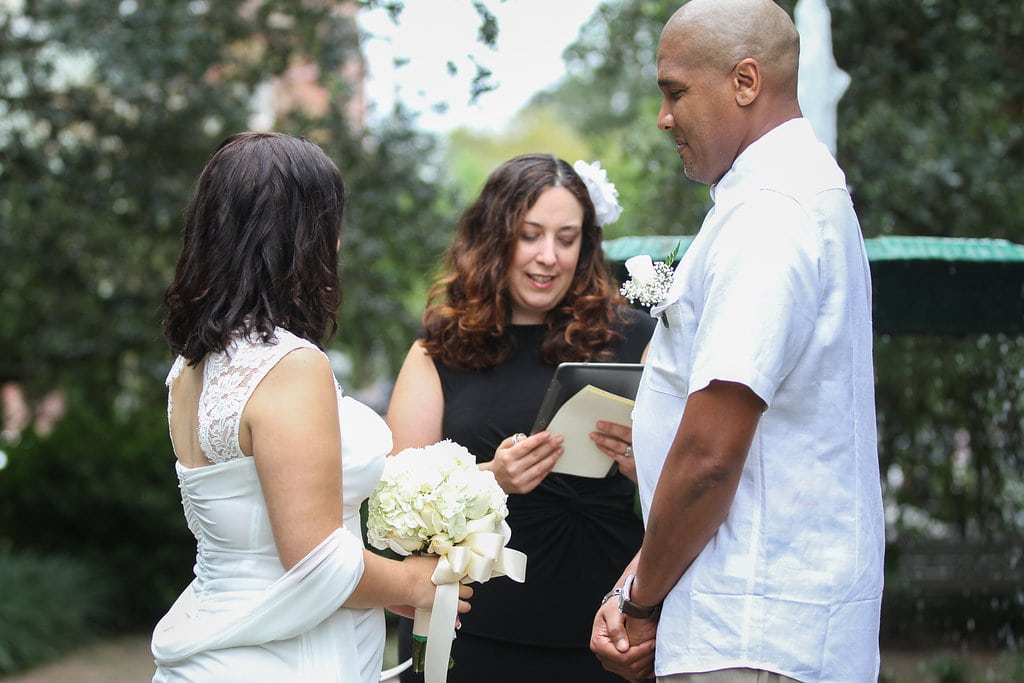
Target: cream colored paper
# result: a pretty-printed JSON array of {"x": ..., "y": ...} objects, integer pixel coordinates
[{"x": 576, "y": 419}]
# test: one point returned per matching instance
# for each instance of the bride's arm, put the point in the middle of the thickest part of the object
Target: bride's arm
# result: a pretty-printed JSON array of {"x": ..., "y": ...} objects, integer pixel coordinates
[{"x": 292, "y": 421}]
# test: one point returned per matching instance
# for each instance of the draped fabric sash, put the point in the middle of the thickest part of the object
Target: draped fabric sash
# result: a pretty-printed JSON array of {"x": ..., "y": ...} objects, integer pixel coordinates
[
  {"x": 481, "y": 556},
  {"x": 304, "y": 596}
]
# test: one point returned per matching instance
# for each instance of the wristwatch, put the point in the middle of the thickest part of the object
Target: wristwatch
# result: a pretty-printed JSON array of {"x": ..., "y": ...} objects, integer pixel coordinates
[{"x": 630, "y": 608}]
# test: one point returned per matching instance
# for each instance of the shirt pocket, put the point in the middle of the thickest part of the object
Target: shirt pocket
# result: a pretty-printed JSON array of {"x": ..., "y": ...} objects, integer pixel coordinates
[{"x": 669, "y": 358}]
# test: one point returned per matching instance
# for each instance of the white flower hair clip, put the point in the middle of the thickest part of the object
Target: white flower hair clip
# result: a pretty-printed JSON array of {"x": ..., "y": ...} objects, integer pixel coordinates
[{"x": 602, "y": 191}]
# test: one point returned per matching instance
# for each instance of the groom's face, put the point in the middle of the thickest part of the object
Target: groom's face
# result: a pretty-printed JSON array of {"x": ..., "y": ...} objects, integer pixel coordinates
[{"x": 697, "y": 109}]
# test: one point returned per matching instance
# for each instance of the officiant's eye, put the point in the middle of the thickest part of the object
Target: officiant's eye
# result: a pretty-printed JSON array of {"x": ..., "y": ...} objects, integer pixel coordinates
[{"x": 568, "y": 235}]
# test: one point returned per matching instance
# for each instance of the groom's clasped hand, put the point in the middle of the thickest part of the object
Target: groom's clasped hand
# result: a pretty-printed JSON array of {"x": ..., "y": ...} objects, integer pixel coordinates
[{"x": 625, "y": 646}]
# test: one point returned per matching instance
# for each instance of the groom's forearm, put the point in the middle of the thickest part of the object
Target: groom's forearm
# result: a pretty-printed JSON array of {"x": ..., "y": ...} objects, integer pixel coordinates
[{"x": 697, "y": 485}]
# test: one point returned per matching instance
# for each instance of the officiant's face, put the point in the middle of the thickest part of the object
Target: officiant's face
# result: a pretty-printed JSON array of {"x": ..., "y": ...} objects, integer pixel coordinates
[{"x": 547, "y": 250}]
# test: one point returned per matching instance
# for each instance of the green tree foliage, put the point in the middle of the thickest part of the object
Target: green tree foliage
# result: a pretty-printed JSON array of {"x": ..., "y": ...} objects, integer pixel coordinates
[
  {"x": 48, "y": 605},
  {"x": 108, "y": 111},
  {"x": 102, "y": 492},
  {"x": 932, "y": 127},
  {"x": 931, "y": 135},
  {"x": 472, "y": 155},
  {"x": 951, "y": 429}
]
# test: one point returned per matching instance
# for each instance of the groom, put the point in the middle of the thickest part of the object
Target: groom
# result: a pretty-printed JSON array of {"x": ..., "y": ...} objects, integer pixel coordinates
[{"x": 754, "y": 427}]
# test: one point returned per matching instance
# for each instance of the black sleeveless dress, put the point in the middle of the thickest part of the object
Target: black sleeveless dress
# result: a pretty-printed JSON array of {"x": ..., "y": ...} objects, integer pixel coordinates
[{"x": 578, "y": 533}]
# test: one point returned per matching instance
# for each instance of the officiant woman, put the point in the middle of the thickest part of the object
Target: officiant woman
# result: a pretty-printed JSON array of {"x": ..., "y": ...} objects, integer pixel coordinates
[{"x": 525, "y": 287}]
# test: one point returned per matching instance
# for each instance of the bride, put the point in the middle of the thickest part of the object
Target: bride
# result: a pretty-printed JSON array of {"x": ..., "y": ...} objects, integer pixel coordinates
[{"x": 272, "y": 460}]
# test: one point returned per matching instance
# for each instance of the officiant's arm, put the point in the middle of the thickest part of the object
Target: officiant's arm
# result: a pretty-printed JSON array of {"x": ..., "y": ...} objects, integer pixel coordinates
[
  {"x": 696, "y": 486},
  {"x": 417, "y": 402},
  {"x": 416, "y": 412}
]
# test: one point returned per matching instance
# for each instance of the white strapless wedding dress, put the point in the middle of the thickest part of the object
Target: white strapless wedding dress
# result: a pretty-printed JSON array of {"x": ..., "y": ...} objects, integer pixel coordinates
[{"x": 243, "y": 618}]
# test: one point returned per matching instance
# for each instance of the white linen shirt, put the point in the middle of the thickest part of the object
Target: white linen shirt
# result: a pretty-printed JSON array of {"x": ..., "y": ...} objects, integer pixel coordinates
[{"x": 774, "y": 293}]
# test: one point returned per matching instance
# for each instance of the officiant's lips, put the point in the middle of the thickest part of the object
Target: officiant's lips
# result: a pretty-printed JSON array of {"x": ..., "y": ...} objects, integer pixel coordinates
[{"x": 540, "y": 280}]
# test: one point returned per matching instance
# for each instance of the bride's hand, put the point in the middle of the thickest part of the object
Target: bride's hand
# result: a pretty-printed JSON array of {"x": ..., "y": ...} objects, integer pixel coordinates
[
  {"x": 521, "y": 462},
  {"x": 419, "y": 569}
]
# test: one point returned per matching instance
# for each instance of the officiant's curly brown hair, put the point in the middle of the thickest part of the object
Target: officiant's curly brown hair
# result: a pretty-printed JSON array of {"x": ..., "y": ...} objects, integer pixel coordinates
[{"x": 469, "y": 304}]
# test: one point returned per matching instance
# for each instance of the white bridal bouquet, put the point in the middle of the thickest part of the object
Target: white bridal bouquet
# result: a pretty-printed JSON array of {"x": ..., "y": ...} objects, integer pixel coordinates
[{"x": 435, "y": 500}]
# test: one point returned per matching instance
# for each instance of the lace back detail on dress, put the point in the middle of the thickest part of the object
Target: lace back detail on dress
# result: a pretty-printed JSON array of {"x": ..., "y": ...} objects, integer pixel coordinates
[{"x": 228, "y": 382}]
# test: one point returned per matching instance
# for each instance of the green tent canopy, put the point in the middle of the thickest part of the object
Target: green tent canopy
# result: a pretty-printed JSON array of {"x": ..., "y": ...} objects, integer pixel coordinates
[{"x": 921, "y": 285}]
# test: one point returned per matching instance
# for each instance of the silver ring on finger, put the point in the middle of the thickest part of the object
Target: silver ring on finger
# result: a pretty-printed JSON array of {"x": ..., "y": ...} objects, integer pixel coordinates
[
  {"x": 517, "y": 437},
  {"x": 628, "y": 453}
]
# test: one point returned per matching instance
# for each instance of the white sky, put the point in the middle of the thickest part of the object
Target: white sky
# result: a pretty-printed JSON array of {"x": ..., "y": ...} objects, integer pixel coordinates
[{"x": 531, "y": 37}]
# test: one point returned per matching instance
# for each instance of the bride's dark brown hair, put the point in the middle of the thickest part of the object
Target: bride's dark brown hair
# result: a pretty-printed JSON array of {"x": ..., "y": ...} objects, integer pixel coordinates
[
  {"x": 260, "y": 247},
  {"x": 469, "y": 308}
]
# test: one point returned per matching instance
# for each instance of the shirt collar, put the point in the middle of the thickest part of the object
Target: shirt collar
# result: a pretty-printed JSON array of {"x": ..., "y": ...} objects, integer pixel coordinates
[{"x": 766, "y": 150}]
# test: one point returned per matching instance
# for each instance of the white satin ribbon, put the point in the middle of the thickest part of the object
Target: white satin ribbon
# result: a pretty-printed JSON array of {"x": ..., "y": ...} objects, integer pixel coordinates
[{"x": 481, "y": 556}]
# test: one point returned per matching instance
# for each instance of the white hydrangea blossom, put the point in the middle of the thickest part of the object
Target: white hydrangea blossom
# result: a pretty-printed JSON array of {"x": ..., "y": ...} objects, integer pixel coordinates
[{"x": 428, "y": 498}]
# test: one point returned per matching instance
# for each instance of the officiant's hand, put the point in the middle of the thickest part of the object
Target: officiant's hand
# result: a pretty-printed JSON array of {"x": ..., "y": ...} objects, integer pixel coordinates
[
  {"x": 615, "y": 647},
  {"x": 616, "y": 441},
  {"x": 521, "y": 462}
]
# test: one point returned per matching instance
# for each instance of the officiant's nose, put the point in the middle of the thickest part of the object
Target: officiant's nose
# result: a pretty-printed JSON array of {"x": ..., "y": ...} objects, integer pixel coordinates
[{"x": 546, "y": 254}]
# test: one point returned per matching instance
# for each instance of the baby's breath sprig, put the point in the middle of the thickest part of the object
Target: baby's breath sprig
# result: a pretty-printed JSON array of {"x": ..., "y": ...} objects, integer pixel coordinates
[
  {"x": 649, "y": 281},
  {"x": 651, "y": 287}
]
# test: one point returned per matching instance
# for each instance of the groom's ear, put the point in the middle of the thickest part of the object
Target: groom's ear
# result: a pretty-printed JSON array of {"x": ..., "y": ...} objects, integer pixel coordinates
[{"x": 746, "y": 80}]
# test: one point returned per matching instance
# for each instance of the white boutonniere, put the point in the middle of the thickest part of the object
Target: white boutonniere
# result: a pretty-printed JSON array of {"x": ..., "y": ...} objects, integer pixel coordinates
[
  {"x": 602, "y": 191},
  {"x": 648, "y": 281}
]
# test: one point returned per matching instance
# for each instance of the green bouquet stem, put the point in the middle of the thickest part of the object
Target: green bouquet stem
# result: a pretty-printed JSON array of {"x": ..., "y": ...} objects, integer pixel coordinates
[
  {"x": 420, "y": 627},
  {"x": 419, "y": 652}
]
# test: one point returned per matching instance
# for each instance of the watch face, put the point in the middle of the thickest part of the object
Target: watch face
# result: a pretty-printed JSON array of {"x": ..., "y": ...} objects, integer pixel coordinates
[
  {"x": 624, "y": 595},
  {"x": 627, "y": 587}
]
